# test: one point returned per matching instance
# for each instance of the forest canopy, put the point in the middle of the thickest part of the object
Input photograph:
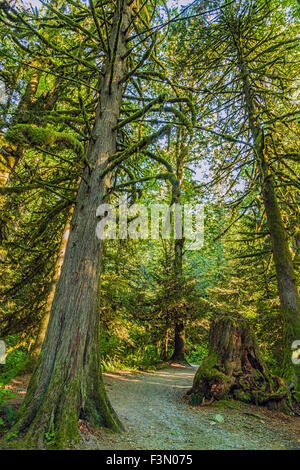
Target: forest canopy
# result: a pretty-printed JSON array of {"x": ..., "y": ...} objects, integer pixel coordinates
[{"x": 149, "y": 103}]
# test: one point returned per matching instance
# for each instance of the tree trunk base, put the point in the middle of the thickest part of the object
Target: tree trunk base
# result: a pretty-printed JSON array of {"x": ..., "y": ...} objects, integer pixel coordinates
[
  {"x": 179, "y": 360},
  {"x": 234, "y": 369},
  {"x": 49, "y": 414}
]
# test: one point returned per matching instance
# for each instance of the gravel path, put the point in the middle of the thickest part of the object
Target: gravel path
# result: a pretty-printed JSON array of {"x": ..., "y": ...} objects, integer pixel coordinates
[
  {"x": 152, "y": 408},
  {"x": 155, "y": 415}
]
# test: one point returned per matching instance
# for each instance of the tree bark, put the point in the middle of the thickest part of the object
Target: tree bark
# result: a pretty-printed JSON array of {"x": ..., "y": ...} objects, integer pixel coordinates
[
  {"x": 179, "y": 333},
  {"x": 286, "y": 278},
  {"x": 67, "y": 383},
  {"x": 166, "y": 339},
  {"x": 179, "y": 342},
  {"x": 234, "y": 369},
  {"x": 37, "y": 347},
  {"x": 286, "y": 281}
]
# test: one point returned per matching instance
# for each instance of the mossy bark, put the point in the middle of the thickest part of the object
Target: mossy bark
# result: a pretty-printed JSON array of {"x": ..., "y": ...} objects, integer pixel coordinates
[
  {"x": 286, "y": 280},
  {"x": 67, "y": 383},
  {"x": 234, "y": 369},
  {"x": 285, "y": 274}
]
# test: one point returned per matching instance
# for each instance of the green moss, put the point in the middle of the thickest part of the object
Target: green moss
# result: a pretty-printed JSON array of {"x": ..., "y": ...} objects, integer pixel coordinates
[
  {"x": 225, "y": 404},
  {"x": 241, "y": 395},
  {"x": 210, "y": 369},
  {"x": 194, "y": 399},
  {"x": 43, "y": 137},
  {"x": 209, "y": 373},
  {"x": 206, "y": 369}
]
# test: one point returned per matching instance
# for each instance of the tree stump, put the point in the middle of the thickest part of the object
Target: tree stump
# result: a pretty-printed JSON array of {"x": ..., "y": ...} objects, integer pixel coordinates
[{"x": 234, "y": 369}]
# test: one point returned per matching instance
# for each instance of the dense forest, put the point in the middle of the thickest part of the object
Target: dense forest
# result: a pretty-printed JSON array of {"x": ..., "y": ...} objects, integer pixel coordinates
[{"x": 115, "y": 110}]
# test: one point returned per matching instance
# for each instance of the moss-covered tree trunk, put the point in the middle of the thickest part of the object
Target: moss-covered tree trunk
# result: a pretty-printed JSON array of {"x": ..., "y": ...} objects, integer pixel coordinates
[
  {"x": 286, "y": 278},
  {"x": 286, "y": 281},
  {"x": 67, "y": 384},
  {"x": 234, "y": 369}
]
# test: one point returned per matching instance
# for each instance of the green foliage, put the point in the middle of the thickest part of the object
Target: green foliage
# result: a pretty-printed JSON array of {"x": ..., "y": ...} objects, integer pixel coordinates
[
  {"x": 50, "y": 439},
  {"x": 184, "y": 111},
  {"x": 11, "y": 435},
  {"x": 5, "y": 395},
  {"x": 15, "y": 362},
  {"x": 41, "y": 137},
  {"x": 196, "y": 353},
  {"x": 129, "y": 349},
  {"x": 9, "y": 414}
]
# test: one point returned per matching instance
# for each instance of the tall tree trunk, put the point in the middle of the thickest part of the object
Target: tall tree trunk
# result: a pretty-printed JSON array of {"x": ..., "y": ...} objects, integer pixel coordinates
[
  {"x": 179, "y": 342},
  {"x": 179, "y": 333},
  {"x": 166, "y": 339},
  {"x": 67, "y": 383},
  {"x": 37, "y": 347},
  {"x": 286, "y": 279},
  {"x": 166, "y": 346},
  {"x": 179, "y": 336}
]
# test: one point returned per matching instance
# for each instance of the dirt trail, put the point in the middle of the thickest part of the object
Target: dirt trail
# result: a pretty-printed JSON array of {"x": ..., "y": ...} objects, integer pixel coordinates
[
  {"x": 156, "y": 416},
  {"x": 152, "y": 408}
]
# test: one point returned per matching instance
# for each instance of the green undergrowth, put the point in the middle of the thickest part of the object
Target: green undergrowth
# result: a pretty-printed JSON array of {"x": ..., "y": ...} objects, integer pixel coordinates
[
  {"x": 136, "y": 361},
  {"x": 14, "y": 364},
  {"x": 15, "y": 360},
  {"x": 196, "y": 354},
  {"x": 129, "y": 349}
]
